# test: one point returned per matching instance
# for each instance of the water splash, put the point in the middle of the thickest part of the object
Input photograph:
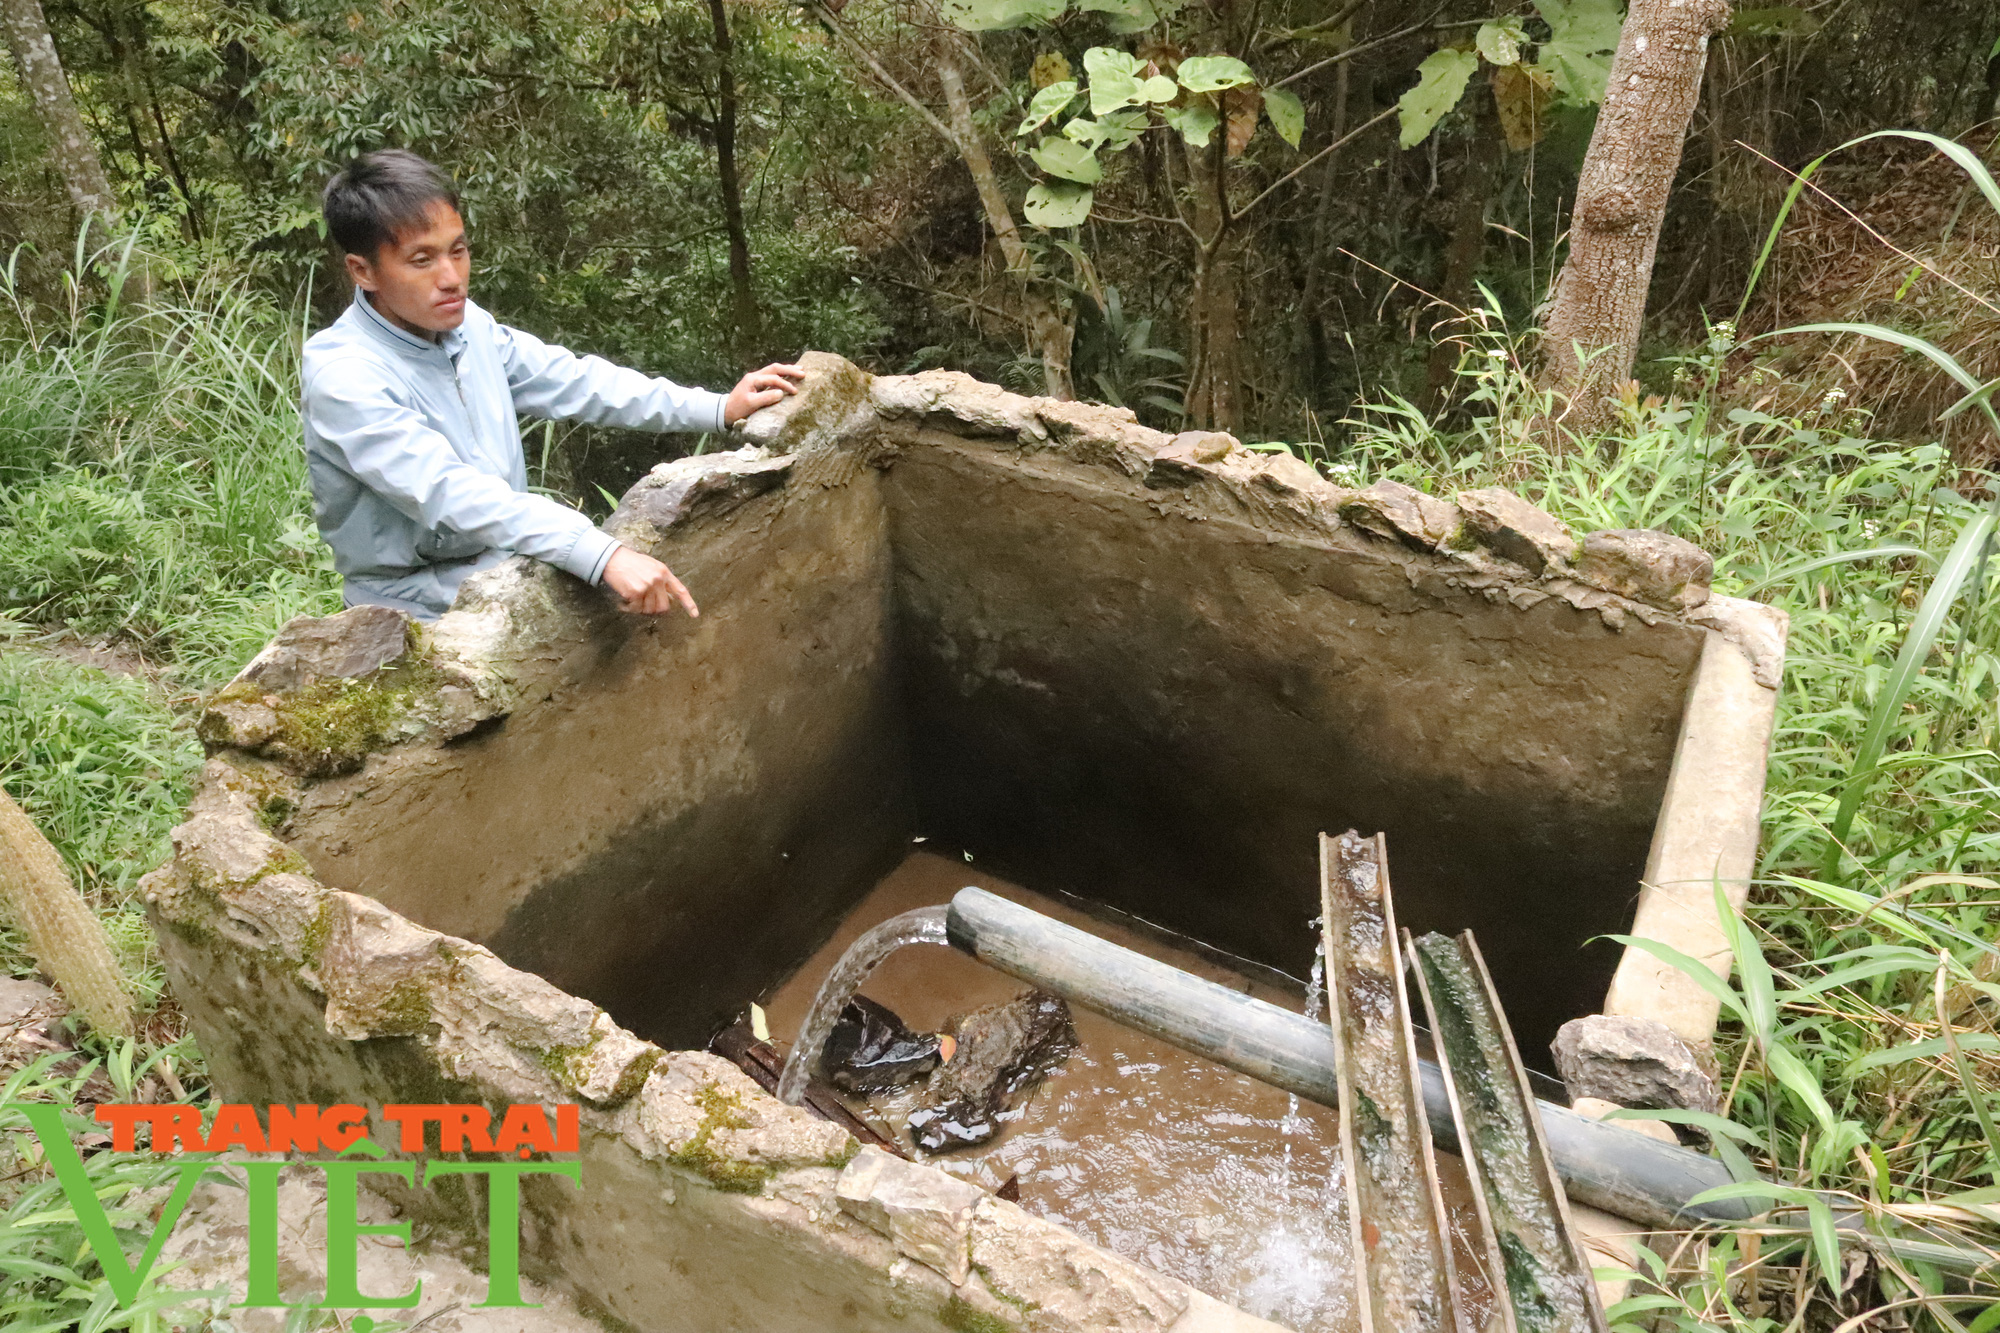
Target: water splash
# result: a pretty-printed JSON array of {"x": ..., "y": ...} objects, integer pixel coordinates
[
  {"x": 1316, "y": 983},
  {"x": 926, "y": 925}
]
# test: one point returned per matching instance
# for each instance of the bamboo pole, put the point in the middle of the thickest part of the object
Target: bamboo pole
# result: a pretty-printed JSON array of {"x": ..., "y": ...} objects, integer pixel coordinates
[{"x": 65, "y": 936}]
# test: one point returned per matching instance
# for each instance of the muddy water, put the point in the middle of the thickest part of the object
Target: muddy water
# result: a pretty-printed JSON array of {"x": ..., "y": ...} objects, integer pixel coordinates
[{"x": 1168, "y": 1159}]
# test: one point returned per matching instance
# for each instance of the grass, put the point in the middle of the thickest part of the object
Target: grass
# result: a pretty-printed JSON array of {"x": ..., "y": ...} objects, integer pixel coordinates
[
  {"x": 152, "y": 496},
  {"x": 152, "y": 486}
]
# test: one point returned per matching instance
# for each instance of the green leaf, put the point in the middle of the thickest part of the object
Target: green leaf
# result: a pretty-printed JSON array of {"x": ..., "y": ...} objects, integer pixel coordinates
[
  {"x": 1791, "y": 572},
  {"x": 1057, "y": 204},
  {"x": 1942, "y": 359},
  {"x": 1211, "y": 74},
  {"x": 1580, "y": 78},
  {"x": 1826, "y": 1241},
  {"x": 1791, "y": 1071},
  {"x": 1115, "y": 131},
  {"x": 1195, "y": 123},
  {"x": 1090, "y": 133},
  {"x": 1048, "y": 102},
  {"x": 1160, "y": 88},
  {"x": 1697, "y": 971},
  {"x": 1132, "y": 15},
  {"x": 1753, "y": 972},
  {"x": 1287, "y": 113},
  {"x": 1927, "y": 1049},
  {"x": 1922, "y": 636},
  {"x": 1114, "y": 78},
  {"x": 993, "y": 15},
  {"x": 1582, "y": 36},
  {"x": 1068, "y": 159},
  {"x": 1441, "y": 81},
  {"x": 1121, "y": 127},
  {"x": 1905, "y": 960},
  {"x": 1500, "y": 41},
  {"x": 1589, "y": 25}
]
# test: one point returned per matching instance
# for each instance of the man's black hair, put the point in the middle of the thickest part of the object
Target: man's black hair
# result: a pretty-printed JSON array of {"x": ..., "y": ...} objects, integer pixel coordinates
[{"x": 380, "y": 194}]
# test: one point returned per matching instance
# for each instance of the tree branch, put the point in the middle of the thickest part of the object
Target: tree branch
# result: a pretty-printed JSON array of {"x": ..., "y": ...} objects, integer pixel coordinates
[
  {"x": 1354, "y": 51},
  {"x": 1320, "y": 156},
  {"x": 867, "y": 57},
  {"x": 1277, "y": 40}
]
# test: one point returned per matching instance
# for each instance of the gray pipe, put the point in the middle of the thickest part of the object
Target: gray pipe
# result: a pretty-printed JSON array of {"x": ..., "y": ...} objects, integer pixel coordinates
[{"x": 1627, "y": 1174}]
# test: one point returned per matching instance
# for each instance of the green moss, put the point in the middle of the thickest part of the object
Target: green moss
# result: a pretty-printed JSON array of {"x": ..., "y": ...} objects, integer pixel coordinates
[
  {"x": 560, "y": 1061},
  {"x": 555, "y": 1060},
  {"x": 721, "y": 1110},
  {"x": 965, "y": 1317},
  {"x": 274, "y": 810},
  {"x": 316, "y": 932},
  {"x": 191, "y": 931},
  {"x": 406, "y": 1008},
  {"x": 1025, "y": 1306},
  {"x": 824, "y": 406},
  {"x": 635, "y": 1075},
  {"x": 848, "y": 1153},
  {"x": 331, "y": 724}
]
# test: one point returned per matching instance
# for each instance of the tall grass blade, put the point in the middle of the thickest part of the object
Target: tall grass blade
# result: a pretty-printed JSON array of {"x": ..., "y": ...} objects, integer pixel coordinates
[
  {"x": 1790, "y": 572},
  {"x": 1973, "y": 1092},
  {"x": 1753, "y": 973},
  {"x": 1699, "y": 972},
  {"x": 1966, "y": 159},
  {"x": 1917, "y": 644},
  {"x": 1944, "y": 360}
]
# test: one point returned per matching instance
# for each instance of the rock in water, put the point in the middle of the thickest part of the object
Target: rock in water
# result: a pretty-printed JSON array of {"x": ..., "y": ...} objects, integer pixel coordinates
[
  {"x": 1004, "y": 1052},
  {"x": 871, "y": 1051}
]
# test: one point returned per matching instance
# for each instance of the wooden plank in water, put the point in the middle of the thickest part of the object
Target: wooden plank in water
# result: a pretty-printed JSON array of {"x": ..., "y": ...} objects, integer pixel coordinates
[
  {"x": 1548, "y": 1287},
  {"x": 761, "y": 1061},
  {"x": 1405, "y": 1281}
]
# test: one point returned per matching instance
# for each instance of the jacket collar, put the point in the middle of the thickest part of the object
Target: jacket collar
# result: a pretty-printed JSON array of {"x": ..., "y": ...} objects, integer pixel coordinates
[{"x": 376, "y": 322}]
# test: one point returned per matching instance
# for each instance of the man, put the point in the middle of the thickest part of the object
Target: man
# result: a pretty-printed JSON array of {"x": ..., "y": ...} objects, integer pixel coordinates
[{"x": 410, "y": 402}]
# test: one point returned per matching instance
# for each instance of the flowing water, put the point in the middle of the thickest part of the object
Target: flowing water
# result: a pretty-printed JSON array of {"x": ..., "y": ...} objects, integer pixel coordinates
[
  {"x": 923, "y": 925},
  {"x": 1178, "y": 1163}
]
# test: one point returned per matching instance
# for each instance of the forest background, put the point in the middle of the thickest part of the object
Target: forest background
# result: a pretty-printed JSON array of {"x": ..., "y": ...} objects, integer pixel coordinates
[{"x": 1331, "y": 226}]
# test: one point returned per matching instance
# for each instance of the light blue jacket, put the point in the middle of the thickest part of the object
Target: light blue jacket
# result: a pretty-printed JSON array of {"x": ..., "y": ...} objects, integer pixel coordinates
[{"x": 414, "y": 451}]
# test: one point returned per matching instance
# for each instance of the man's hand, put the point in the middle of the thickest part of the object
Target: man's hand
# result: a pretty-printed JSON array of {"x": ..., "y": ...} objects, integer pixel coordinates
[
  {"x": 646, "y": 586},
  {"x": 760, "y": 388}
]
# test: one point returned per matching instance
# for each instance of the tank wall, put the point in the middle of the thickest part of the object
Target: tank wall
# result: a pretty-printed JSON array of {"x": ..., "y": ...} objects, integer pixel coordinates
[
  {"x": 1162, "y": 713},
  {"x": 692, "y": 808}
]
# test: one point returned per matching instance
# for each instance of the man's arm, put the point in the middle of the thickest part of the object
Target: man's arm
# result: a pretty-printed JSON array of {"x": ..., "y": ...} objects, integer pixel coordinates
[
  {"x": 551, "y": 381},
  {"x": 388, "y": 448}
]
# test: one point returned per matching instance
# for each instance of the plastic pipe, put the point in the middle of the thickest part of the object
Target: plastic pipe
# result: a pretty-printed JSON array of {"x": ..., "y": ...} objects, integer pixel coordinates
[{"x": 1602, "y": 1165}]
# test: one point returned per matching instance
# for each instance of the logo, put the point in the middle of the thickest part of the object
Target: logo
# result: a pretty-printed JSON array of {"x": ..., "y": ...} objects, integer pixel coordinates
[{"x": 501, "y": 1155}]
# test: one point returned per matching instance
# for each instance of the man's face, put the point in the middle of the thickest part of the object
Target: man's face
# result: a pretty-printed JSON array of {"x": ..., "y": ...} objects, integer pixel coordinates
[{"x": 418, "y": 279}]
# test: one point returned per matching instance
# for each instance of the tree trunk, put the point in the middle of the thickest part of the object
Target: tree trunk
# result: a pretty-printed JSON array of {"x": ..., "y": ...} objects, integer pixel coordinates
[
  {"x": 1621, "y": 200},
  {"x": 42, "y": 77},
  {"x": 1319, "y": 366},
  {"x": 743, "y": 300},
  {"x": 1462, "y": 258},
  {"x": 1045, "y": 323},
  {"x": 1215, "y": 377}
]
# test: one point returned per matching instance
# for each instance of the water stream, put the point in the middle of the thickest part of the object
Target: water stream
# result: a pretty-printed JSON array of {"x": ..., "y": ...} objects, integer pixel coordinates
[{"x": 925, "y": 925}]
